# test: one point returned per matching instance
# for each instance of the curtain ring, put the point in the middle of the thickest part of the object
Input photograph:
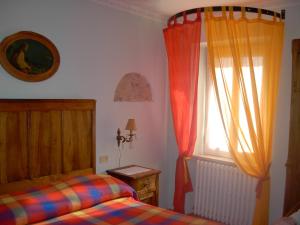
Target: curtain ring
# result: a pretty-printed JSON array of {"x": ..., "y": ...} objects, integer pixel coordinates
[
  {"x": 224, "y": 11},
  {"x": 175, "y": 21},
  {"x": 170, "y": 21},
  {"x": 243, "y": 12},
  {"x": 274, "y": 17},
  {"x": 184, "y": 17},
  {"x": 230, "y": 12},
  {"x": 259, "y": 13},
  {"x": 282, "y": 15},
  {"x": 208, "y": 13},
  {"x": 198, "y": 15}
]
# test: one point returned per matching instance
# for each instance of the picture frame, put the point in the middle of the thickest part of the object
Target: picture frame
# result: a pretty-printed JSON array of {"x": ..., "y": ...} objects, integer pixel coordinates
[{"x": 29, "y": 56}]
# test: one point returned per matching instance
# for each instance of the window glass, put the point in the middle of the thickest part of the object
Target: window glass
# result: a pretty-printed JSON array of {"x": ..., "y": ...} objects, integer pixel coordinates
[{"x": 212, "y": 138}]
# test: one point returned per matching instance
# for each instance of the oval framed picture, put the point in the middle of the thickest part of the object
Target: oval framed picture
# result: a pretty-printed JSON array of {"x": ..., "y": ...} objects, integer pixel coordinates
[{"x": 29, "y": 56}]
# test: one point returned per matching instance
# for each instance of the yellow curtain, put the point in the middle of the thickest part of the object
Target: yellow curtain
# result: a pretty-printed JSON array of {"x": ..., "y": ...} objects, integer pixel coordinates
[{"x": 244, "y": 57}]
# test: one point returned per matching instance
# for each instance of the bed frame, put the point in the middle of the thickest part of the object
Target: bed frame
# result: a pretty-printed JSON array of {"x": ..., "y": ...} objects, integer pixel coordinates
[{"x": 42, "y": 141}]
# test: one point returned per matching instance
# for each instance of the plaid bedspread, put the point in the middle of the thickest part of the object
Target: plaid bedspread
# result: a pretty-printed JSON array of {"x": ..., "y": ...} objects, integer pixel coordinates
[
  {"x": 60, "y": 198},
  {"x": 125, "y": 211}
]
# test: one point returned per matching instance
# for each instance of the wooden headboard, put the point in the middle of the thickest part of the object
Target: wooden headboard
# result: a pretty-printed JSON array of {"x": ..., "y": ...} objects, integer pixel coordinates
[{"x": 42, "y": 141}]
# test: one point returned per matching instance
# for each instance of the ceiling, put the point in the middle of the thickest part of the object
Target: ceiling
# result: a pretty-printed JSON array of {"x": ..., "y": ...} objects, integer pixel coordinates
[{"x": 161, "y": 9}]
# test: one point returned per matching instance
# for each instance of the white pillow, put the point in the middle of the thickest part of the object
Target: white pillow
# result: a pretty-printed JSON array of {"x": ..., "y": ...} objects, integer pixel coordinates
[{"x": 296, "y": 217}]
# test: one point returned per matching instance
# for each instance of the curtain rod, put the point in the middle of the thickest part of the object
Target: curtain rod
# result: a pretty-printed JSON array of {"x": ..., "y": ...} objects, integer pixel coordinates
[{"x": 235, "y": 9}]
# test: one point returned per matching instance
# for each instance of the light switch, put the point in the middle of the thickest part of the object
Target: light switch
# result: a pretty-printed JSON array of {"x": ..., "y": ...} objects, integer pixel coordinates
[{"x": 103, "y": 159}]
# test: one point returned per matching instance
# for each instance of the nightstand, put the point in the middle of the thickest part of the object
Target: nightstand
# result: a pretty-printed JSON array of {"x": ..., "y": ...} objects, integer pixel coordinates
[{"x": 144, "y": 181}]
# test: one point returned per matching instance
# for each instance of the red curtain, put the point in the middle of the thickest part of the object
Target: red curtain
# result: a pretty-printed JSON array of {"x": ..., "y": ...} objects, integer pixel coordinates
[{"x": 183, "y": 50}]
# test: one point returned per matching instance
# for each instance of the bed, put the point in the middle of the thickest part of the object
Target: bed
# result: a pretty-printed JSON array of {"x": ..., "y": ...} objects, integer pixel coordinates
[
  {"x": 290, "y": 218},
  {"x": 47, "y": 170}
]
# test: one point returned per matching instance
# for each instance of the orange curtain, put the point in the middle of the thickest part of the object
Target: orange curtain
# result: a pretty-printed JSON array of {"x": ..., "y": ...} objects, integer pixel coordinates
[
  {"x": 183, "y": 48},
  {"x": 244, "y": 64}
]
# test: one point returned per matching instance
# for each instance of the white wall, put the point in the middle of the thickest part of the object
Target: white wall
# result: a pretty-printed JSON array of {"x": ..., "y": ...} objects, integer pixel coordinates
[
  {"x": 97, "y": 46},
  {"x": 281, "y": 138}
]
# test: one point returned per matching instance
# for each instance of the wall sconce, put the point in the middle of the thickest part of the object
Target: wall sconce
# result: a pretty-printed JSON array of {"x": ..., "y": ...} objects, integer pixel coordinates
[{"x": 129, "y": 137}]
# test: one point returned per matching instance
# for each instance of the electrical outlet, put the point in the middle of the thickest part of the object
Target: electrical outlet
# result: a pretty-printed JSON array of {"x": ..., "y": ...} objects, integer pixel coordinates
[{"x": 103, "y": 159}]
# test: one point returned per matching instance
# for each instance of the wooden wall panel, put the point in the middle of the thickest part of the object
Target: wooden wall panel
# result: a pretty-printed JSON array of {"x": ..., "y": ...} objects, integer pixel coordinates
[
  {"x": 292, "y": 187},
  {"x": 13, "y": 146},
  {"x": 77, "y": 140},
  {"x": 45, "y": 143}
]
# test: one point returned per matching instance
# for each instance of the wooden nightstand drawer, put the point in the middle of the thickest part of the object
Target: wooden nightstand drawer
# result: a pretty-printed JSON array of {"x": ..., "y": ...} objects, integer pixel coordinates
[
  {"x": 144, "y": 195},
  {"x": 145, "y": 187},
  {"x": 146, "y": 183}
]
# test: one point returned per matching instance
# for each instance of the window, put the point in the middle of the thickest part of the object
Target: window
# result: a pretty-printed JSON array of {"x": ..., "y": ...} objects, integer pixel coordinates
[{"x": 212, "y": 138}]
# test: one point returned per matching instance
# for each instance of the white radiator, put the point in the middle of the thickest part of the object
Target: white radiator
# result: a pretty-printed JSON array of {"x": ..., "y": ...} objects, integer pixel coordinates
[{"x": 223, "y": 193}]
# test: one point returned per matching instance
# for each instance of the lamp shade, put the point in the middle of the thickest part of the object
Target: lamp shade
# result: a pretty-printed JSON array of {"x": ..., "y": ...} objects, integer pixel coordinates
[{"x": 130, "y": 125}]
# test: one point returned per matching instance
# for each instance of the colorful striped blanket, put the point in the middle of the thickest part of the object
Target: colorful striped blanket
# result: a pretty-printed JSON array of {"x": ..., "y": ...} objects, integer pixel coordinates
[
  {"x": 86, "y": 200},
  {"x": 60, "y": 198},
  {"x": 125, "y": 211}
]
